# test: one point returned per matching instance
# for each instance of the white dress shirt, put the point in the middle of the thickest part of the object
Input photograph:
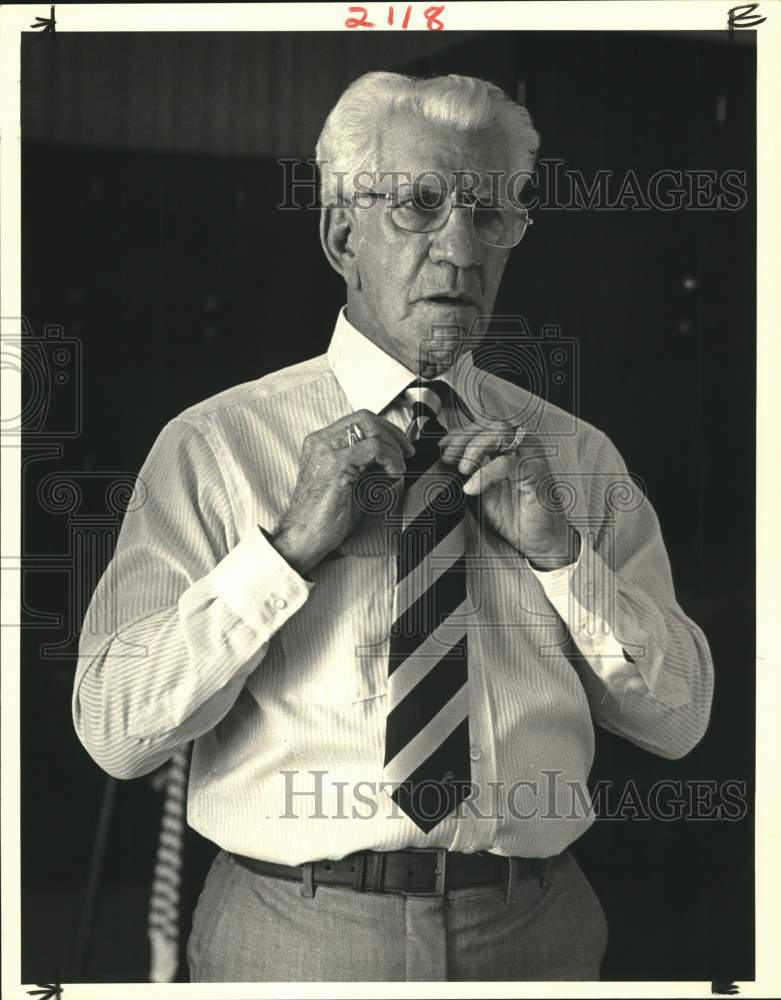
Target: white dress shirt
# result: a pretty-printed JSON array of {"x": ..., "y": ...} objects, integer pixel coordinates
[{"x": 199, "y": 630}]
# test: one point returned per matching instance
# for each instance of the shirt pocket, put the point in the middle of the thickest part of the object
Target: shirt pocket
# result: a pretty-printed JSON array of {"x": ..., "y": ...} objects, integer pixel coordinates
[{"x": 335, "y": 649}]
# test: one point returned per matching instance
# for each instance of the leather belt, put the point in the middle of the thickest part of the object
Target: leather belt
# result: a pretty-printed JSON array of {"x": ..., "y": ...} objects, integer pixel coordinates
[{"x": 423, "y": 871}]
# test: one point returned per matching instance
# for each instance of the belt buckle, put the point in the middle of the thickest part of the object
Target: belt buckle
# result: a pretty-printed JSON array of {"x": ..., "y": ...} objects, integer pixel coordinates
[{"x": 440, "y": 871}]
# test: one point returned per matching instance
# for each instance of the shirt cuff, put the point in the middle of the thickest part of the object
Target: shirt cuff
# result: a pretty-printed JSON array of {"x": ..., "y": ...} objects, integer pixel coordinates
[
  {"x": 592, "y": 634},
  {"x": 258, "y": 585}
]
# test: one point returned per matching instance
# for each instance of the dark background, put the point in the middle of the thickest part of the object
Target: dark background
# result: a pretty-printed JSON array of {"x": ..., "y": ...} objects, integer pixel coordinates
[{"x": 150, "y": 235}]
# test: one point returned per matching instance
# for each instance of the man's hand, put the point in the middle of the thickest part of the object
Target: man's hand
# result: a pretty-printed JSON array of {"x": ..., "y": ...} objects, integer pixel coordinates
[
  {"x": 513, "y": 484},
  {"x": 322, "y": 509}
]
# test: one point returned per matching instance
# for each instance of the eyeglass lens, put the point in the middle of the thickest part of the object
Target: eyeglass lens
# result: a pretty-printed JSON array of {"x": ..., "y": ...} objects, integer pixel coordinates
[{"x": 425, "y": 210}]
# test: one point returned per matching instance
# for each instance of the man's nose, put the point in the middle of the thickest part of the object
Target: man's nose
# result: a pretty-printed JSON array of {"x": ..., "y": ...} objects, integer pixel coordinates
[{"x": 457, "y": 241}]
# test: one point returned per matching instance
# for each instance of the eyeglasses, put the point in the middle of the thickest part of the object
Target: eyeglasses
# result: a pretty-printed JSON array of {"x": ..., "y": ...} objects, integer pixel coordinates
[{"x": 425, "y": 210}]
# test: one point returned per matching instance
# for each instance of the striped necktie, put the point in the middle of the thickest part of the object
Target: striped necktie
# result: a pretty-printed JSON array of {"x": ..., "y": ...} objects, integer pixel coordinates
[{"x": 427, "y": 726}]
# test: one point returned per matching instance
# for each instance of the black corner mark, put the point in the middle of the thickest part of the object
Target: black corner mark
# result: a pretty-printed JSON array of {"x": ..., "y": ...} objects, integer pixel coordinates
[
  {"x": 743, "y": 16},
  {"x": 48, "y": 991},
  {"x": 47, "y": 24},
  {"x": 724, "y": 987}
]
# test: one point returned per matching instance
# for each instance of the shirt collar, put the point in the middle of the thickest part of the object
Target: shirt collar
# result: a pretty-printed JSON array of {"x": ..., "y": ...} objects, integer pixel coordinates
[{"x": 370, "y": 378}]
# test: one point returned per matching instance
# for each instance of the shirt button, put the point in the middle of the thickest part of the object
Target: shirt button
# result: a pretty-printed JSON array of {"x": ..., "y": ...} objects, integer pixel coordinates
[
  {"x": 280, "y": 603},
  {"x": 475, "y": 752}
]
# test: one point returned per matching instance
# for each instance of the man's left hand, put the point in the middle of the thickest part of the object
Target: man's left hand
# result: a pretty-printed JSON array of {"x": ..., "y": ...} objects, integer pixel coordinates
[{"x": 517, "y": 488}]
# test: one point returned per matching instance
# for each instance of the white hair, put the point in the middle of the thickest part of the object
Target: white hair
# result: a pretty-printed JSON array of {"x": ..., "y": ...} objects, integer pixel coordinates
[{"x": 349, "y": 142}]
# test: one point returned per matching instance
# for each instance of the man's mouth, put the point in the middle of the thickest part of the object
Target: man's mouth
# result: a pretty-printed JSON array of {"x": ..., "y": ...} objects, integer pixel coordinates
[{"x": 454, "y": 300}]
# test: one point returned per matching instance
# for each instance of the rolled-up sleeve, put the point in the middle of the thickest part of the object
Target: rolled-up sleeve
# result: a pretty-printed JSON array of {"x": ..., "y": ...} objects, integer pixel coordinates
[{"x": 182, "y": 615}]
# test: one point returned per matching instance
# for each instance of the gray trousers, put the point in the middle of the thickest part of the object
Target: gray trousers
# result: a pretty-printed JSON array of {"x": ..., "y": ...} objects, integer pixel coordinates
[{"x": 255, "y": 928}]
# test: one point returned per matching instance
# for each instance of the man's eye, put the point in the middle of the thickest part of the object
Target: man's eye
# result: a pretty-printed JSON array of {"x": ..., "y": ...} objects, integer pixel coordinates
[
  {"x": 417, "y": 204},
  {"x": 413, "y": 209},
  {"x": 487, "y": 210},
  {"x": 423, "y": 198}
]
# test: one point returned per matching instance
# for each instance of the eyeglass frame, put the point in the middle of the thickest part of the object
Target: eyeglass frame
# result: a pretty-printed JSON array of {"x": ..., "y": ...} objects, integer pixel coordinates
[{"x": 470, "y": 205}]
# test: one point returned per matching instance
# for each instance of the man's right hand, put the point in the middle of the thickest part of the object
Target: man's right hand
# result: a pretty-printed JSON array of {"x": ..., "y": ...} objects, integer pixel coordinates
[{"x": 322, "y": 509}]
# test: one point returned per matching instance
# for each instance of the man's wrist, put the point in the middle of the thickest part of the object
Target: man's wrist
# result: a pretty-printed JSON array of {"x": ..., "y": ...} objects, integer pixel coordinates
[
  {"x": 545, "y": 563},
  {"x": 297, "y": 556}
]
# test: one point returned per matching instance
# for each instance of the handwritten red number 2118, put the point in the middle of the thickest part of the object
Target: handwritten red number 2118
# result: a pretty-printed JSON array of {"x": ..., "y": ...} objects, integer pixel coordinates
[{"x": 431, "y": 15}]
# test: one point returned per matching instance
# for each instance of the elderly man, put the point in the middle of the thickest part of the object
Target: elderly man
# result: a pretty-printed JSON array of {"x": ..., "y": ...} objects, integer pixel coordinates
[{"x": 385, "y": 592}]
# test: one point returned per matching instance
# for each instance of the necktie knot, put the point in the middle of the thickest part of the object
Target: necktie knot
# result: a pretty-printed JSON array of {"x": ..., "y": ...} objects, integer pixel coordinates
[{"x": 425, "y": 399}]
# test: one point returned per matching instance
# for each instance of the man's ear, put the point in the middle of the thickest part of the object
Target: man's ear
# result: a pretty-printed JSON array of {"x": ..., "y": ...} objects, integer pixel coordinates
[{"x": 338, "y": 240}]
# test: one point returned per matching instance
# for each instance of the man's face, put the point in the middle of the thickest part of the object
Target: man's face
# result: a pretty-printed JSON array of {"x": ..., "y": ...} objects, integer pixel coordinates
[{"x": 419, "y": 287}]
